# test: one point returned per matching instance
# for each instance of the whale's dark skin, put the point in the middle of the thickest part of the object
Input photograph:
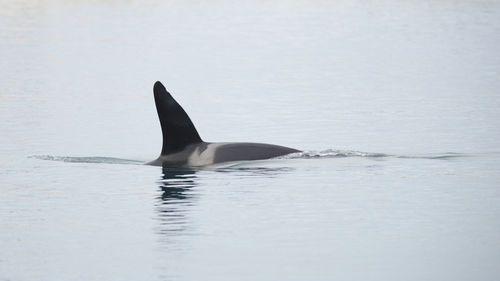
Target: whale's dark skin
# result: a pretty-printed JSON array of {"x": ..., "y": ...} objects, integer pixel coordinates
[{"x": 183, "y": 147}]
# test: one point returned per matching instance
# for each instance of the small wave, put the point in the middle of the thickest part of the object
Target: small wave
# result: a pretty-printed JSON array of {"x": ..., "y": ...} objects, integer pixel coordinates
[
  {"x": 331, "y": 153},
  {"x": 96, "y": 159},
  {"x": 439, "y": 156}
]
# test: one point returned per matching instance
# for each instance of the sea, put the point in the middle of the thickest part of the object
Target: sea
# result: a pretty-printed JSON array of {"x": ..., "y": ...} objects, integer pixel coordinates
[{"x": 395, "y": 106}]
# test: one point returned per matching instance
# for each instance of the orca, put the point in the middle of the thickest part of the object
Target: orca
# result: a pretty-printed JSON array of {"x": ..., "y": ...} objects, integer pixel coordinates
[{"x": 183, "y": 147}]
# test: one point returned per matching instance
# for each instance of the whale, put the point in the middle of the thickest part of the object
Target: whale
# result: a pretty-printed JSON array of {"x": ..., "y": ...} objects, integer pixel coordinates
[{"x": 183, "y": 147}]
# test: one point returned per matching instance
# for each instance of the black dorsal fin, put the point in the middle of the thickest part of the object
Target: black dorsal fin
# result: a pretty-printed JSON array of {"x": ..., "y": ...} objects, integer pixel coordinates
[{"x": 178, "y": 130}]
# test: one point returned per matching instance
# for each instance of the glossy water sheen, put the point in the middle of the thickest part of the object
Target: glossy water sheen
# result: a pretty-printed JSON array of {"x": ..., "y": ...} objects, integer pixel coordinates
[{"x": 395, "y": 102}]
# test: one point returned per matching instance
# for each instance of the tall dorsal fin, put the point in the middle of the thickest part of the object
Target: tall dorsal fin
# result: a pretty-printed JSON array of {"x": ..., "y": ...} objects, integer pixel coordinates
[{"x": 178, "y": 130}]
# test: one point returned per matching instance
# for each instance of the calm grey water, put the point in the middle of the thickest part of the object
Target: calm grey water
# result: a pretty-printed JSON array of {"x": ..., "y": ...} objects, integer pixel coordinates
[{"x": 395, "y": 102}]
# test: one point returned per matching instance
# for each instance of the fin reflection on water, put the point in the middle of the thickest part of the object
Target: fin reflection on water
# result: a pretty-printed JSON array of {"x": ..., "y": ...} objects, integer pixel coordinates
[
  {"x": 175, "y": 183},
  {"x": 175, "y": 199},
  {"x": 179, "y": 192}
]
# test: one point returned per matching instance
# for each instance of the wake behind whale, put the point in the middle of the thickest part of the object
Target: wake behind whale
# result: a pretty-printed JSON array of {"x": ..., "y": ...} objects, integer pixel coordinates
[{"x": 312, "y": 154}]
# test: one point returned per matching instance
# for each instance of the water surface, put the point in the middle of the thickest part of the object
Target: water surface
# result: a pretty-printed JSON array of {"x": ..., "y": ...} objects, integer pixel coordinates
[{"x": 395, "y": 103}]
